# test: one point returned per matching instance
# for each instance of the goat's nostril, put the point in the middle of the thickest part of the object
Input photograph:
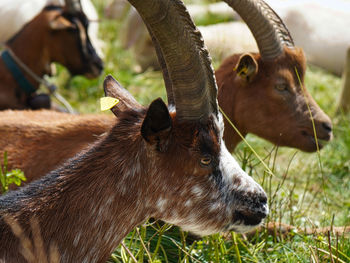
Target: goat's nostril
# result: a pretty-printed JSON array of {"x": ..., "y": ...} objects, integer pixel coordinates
[
  {"x": 261, "y": 215},
  {"x": 263, "y": 199},
  {"x": 327, "y": 126}
]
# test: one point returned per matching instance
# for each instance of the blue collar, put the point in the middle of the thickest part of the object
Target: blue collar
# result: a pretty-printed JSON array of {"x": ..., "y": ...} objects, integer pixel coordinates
[{"x": 17, "y": 74}]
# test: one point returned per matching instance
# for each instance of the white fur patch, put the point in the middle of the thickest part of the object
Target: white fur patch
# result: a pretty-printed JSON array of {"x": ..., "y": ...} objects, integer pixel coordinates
[
  {"x": 161, "y": 204},
  {"x": 188, "y": 203},
  {"x": 197, "y": 191}
]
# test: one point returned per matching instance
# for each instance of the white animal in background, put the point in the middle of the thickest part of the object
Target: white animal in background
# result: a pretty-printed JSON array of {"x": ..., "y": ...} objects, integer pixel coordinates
[
  {"x": 222, "y": 40},
  {"x": 14, "y": 14},
  {"x": 320, "y": 27}
]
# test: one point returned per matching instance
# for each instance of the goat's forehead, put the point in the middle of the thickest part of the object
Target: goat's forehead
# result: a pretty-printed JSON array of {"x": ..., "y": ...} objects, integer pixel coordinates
[
  {"x": 209, "y": 139},
  {"x": 203, "y": 136}
]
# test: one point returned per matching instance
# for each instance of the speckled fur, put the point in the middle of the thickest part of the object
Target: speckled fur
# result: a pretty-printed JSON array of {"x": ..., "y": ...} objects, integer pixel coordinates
[{"x": 88, "y": 205}]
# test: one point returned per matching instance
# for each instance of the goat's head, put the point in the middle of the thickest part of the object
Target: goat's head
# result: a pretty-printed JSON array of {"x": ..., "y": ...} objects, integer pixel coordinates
[
  {"x": 272, "y": 101},
  {"x": 192, "y": 180},
  {"x": 199, "y": 186},
  {"x": 69, "y": 40}
]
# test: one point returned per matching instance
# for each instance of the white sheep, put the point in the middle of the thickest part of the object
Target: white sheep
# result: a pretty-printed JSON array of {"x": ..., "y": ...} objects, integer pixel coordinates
[{"x": 320, "y": 27}]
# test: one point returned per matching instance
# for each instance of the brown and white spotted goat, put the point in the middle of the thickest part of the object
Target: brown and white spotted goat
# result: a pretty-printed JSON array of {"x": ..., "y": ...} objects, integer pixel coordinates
[
  {"x": 169, "y": 165},
  {"x": 56, "y": 34}
]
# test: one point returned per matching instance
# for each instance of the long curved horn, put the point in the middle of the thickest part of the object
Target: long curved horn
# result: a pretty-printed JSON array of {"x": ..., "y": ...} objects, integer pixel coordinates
[
  {"x": 165, "y": 72},
  {"x": 187, "y": 60},
  {"x": 73, "y": 6},
  {"x": 267, "y": 27}
]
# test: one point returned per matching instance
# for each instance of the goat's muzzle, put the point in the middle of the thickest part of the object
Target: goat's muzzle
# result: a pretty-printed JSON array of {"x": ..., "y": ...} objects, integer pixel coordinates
[
  {"x": 323, "y": 132},
  {"x": 255, "y": 213},
  {"x": 95, "y": 67}
]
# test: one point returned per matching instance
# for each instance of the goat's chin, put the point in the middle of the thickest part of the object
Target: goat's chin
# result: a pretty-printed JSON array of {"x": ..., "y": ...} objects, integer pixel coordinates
[
  {"x": 305, "y": 143},
  {"x": 243, "y": 228},
  {"x": 309, "y": 144}
]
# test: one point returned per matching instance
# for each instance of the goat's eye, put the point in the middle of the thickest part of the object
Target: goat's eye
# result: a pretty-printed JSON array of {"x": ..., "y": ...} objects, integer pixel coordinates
[
  {"x": 282, "y": 87},
  {"x": 206, "y": 160}
]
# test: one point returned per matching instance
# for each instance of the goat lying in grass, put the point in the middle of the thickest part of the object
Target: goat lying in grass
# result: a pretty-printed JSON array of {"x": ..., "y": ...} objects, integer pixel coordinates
[
  {"x": 57, "y": 34},
  {"x": 171, "y": 165}
]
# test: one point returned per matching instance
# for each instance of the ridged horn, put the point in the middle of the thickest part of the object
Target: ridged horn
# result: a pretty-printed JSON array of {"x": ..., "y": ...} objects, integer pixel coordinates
[
  {"x": 165, "y": 72},
  {"x": 267, "y": 27},
  {"x": 73, "y": 6},
  {"x": 187, "y": 60}
]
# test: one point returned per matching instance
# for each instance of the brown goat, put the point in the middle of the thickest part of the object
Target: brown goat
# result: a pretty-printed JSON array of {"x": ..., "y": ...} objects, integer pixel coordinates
[
  {"x": 172, "y": 165},
  {"x": 267, "y": 89},
  {"x": 268, "y": 100},
  {"x": 57, "y": 34}
]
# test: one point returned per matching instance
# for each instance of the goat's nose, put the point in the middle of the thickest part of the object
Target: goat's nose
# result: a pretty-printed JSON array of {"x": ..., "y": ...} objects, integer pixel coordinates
[
  {"x": 325, "y": 131},
  {"x": 261, "y": 215},
  {"x": 327, "y": 126}
]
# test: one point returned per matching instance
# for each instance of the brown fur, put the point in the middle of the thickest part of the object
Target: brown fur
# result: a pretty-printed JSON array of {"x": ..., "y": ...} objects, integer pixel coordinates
[
  {"x": 141, "y": 168},
  {"x": 255, "y": 106},
  {"x": 39, "y": 141},
  {"x": 37, "y": 45}
]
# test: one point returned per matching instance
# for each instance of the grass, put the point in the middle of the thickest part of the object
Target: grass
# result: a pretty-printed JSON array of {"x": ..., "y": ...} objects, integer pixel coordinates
[
  {"x": 300, "y": 192},
  {"x": 7, "y": 178}
]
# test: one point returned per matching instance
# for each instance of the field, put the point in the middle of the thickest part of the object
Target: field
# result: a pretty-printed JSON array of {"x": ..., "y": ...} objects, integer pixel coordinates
[{"x": 305, "y": 190}]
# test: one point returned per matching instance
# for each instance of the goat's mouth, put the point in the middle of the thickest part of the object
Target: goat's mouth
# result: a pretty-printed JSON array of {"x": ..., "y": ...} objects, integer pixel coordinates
[
  {"x": 245, "y": 221},
  {"x": 314, "y": 141},
  {"x": 94, "y": 71}
]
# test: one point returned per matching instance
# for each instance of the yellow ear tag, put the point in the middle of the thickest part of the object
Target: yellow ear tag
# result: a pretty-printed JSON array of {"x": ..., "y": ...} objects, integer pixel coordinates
[
  {"x": 108, "y": 102},
  {"x": 244, "y": 71}
]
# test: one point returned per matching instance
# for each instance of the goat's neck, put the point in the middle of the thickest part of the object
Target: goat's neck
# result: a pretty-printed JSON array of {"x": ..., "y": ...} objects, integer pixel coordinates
[
  {"x": 29, "y": 46},
  {"x": 89, "y": 205}
]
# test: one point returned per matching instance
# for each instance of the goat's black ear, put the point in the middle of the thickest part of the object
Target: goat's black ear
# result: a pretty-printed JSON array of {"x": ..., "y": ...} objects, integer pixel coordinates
[
  {"x": 114, "y": 89},
  {"x": 157, "y": 124},
  {"x": 247, "y": 67}
]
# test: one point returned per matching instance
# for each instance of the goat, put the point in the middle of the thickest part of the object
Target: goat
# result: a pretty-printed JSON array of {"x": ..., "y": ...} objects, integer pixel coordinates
[
  {"x": 264, "y": 85},
  {"x": 57, "y": 34},
  {"x": 14, "y": 14},
  {"x": 172, "y": 165},
  {"x": 267, "y": 99}
]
